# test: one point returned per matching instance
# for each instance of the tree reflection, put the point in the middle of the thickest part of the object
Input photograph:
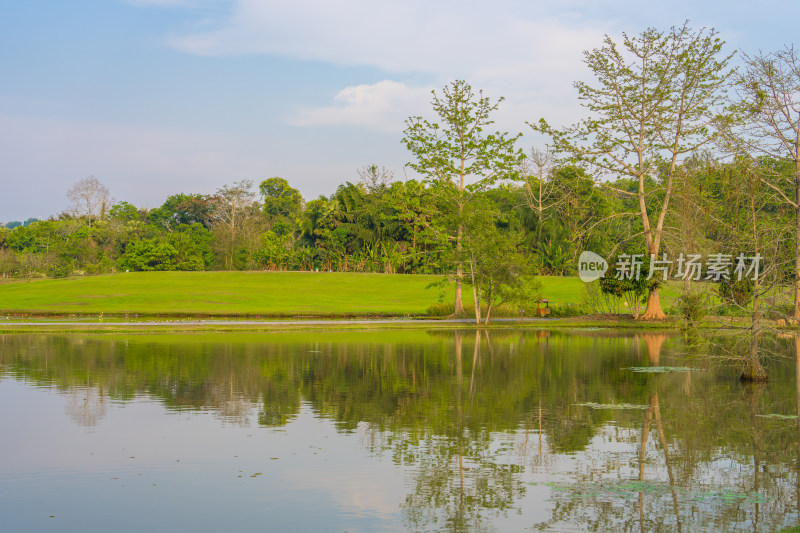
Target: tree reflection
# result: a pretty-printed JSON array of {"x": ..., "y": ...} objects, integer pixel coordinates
[
  {"x": 87, "y": 405},
  {"x": 458, "y": 477},
  {"x": 471, "y": 416},
  {"x": 748, "y": 489}
]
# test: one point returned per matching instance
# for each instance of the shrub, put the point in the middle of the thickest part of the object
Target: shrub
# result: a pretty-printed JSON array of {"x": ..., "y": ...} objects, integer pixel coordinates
[
  {"x": 693, "y": 307},
  {"x": 440, "y": 309},
  {"x": 634, "y": 289},
  {"x": 738, "y": 293},
  {"x": 562, "y": 311},
  {"x": 780, "y": 310}
]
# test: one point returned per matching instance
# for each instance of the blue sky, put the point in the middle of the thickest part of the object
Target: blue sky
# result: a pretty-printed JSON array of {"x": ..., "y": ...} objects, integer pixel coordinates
[{"x": 156, "y": 97}]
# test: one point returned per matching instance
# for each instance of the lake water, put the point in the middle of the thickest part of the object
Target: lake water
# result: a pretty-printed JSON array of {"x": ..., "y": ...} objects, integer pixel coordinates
[{"x": 393, "y": 431}]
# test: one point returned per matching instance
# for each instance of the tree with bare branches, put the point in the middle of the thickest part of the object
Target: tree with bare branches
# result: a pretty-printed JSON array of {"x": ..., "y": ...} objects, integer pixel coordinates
[
  {"x": 539, "y": 189},
  {"x": 768, "y": 96},
  {"x": 89, "y": 198},
  {"x": 236, "y": 212}
]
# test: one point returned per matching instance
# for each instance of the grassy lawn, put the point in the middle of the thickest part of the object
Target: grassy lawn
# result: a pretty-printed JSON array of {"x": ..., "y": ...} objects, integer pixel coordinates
[
  {"x": 251, "y": 293},
  {"x": 224, "y": 293}
]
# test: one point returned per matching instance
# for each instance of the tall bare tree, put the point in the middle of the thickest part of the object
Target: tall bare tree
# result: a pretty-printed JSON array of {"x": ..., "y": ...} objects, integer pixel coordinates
[
  {"x": 374, "y": 178},
  {"x": 540, "y": 190},
  {"x": 233, "y": 206},
  {"x": 90, "y": 198},
  {"x": 769, "y": 97}
]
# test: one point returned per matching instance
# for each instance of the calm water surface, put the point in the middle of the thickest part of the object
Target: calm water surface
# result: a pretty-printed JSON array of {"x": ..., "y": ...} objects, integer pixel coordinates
[{"x": 392, "y": 431}]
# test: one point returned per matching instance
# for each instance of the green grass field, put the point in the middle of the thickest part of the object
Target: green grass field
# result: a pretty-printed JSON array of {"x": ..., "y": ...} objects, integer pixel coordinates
[
  {"x": 249, "y": 293},
  {"x": 224, "y": 293}
]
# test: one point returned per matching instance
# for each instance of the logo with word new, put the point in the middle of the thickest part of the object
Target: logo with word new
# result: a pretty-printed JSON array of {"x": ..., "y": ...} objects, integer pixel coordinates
[{"x": 591, "y": 267}]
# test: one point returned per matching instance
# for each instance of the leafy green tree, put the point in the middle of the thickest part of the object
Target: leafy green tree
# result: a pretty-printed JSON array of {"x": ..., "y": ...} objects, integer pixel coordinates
[
  {"x": 149, "y": 255},
  {"x": 282, "y": 205},
  {"x": 184, "y": 209},
  {"x": 458, "y": 158},
  {"x": 633, "y": 289},
  {"x": 494, "y": 265},
  {"x": 316, "y": 220},
  {"x": 193, "y": 244},
  {"x": 123, "y": 211},
  {"x": 275, "y": 251},
  {"x": 654, "y": 103}
]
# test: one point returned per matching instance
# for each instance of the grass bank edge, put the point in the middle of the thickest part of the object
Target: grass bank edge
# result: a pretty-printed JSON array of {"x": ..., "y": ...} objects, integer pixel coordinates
[{"x": 254, "y": 294}]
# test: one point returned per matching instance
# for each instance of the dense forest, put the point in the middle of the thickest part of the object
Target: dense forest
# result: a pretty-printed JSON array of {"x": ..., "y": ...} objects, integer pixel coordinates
[
  {"x": 681, "y": 154},
  {"x": 372, "y": 225}
]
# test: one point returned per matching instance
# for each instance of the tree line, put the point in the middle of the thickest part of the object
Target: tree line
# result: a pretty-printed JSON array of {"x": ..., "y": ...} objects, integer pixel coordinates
[{"x": 679, "y": 152}]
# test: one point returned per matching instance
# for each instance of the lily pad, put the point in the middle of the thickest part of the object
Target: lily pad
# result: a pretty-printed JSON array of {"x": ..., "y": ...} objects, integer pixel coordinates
[
  {"x": 594, "y": 405},
  {"x": 659, "y": 369},
  {"x": 633, "y": 488}
]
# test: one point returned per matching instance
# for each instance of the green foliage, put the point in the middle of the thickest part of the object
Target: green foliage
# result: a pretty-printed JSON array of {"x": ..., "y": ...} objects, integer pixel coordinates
[
  {"x": 185, "y": 209},
  {"x": 440, "y": 309},
  {"x": 693, "y": 307},
  {"x": 568, "y": 310},
  {"x": 459, "y": 161},
  {"x": 149, "y": 255},
  {"x": 280, "y": 199},
  {"x": 123, "y": 211},
  {"x": 626, "y": 283},
  {"x": 470, "y": 213},
  {"x": 193, "y": 244},
  {"x": 456, "y": 152},
  {"x": 16, "y": 223},
  {"x": 737, "y": 293},
  {"x": 653, "y": 100}
]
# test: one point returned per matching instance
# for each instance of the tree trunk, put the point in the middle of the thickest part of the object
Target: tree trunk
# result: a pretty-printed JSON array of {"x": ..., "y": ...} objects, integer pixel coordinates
[
  {"x": 796, "y": 313},
  {"x": 477, "y": 305},
  {"x": 653, "y": 311},
  {"x": 475, "y": 292},
  {"x": 753, "y": 369},
  {"x": 458, "y": 306},
  {"x": 489, "y": 300}
]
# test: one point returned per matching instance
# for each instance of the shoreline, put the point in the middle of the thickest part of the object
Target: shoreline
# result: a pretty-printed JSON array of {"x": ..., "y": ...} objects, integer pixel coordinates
[
  {"x": 161, "y": 324},
  {"x": 71, "y": 323}
]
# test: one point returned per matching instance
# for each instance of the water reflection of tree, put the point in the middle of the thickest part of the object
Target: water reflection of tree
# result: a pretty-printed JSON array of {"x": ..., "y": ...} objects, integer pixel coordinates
[
  {"x": 444, "y": 416},
  {"x": 458, "y": 476},
  {"x": 87, "y": 405},
  {"x": 692, "y": 494}
]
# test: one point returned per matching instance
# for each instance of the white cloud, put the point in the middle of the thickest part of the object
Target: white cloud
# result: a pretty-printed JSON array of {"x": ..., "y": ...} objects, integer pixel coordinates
[
  {"x": 399, "y": 36},
  {"x": 515, "y": 49},
  {"x": 382, "y": 106}
]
